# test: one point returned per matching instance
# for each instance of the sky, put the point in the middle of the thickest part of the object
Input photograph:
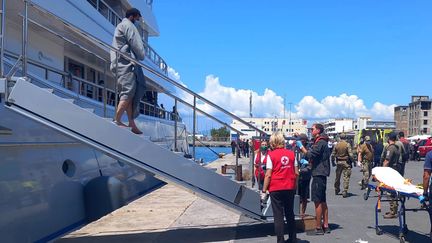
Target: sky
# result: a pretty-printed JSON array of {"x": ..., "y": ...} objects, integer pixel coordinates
[{"x": 329, "y": 59}]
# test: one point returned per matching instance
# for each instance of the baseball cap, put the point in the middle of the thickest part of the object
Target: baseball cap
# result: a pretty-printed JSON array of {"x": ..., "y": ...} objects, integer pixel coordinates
[{"x": 133, "y": 11}]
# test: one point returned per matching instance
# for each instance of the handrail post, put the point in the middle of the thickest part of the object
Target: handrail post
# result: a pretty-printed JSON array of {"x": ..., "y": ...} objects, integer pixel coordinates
[
  {"x": 25, "y": 39},
  {"x": 194, "y": 127},
  {"x": 116, "y": 80},
  {"x": 237, "y": 154},
  {"x": 251, "y": 164},
  {"x": 175, "y": 125},
  {"x": 2, "y": 35},
  {"x": 104, "y": 95}
]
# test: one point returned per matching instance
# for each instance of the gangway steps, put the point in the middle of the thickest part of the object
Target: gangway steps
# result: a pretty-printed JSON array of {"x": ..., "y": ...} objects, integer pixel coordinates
[
  {"x": 91, "y": 110},
  {"x": 69, "y": 100},
  {"x": 48, "y": 90},
  {"x": 67, "y": 118}
]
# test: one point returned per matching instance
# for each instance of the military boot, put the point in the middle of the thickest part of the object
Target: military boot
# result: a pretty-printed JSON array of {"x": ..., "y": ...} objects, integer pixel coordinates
[
  {"x": 344, "y": 194},
  {"x": 337, "y": 191},
  {"x": 362, "y": 186}
]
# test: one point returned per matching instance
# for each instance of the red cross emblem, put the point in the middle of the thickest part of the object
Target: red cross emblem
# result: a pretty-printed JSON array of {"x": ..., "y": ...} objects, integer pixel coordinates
[{"x": 284, "y": 160}]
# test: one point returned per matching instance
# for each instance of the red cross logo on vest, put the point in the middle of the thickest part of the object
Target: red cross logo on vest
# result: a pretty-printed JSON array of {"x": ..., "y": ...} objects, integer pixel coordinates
[{"x": 284, "y": 160}]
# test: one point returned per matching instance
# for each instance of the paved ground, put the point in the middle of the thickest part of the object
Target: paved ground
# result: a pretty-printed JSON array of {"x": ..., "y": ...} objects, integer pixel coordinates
[{"x": 171, "y": 214}]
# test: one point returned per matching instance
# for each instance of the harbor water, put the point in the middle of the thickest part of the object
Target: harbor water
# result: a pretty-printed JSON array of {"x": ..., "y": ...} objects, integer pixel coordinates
[{"x": 207, "y": 155}]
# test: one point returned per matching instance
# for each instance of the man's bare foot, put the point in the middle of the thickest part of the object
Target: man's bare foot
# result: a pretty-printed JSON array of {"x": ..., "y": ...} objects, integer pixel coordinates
[
  {"x": 136, "y": 130},
  {"x": 119, "y": 123}
]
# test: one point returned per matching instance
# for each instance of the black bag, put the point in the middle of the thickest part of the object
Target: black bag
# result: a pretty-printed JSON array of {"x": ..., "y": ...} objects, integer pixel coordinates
[{"x": 405, "y": 155}]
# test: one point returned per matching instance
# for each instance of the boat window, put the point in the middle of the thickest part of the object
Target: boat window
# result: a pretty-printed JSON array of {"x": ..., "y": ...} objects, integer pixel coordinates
[
  {"x": 69, "y": 168},
  {"x": 89, "y": 90}
]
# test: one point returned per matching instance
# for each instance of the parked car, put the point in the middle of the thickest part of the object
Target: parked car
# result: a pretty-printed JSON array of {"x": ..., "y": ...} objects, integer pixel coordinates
[{"x": 425, "y": 146}]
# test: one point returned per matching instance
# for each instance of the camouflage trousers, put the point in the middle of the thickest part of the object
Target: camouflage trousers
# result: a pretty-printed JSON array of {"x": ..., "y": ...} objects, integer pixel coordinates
[
  {"x": 345, "y": 168},
  {"x": 366, "y": 168},
  {"x": 394, "y": 205}
]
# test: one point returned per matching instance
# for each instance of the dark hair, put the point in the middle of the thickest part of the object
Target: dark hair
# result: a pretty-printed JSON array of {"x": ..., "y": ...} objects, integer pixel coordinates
[
  {"x": 401, "y": 134},
  {"x": 392, "y": 136},
  {"x": 132, "y": 12},
  {"x": 319, "y": 126}
]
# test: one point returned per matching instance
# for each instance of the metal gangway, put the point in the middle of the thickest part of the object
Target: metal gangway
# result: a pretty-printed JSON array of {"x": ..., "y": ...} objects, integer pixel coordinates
[{"x": 100, "y": 133}]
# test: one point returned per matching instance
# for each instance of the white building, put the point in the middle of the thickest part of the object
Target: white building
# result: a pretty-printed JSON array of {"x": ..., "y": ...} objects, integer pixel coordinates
[
  {"x": 269, "y": 126},
  {"x": 338, "y": 125},
  {"x": 361, "y": 123}
]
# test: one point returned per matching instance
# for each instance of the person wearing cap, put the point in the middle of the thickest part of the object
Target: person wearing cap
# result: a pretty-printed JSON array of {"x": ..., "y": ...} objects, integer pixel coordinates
[
  {"x": 343, "y": 155},
  {"x": 364, "y": 160},
  {"x": 392, "y": 155},
  {"x": 305, "y": 176},
  {"x": 131, "y": 80},
  {"x": 319, "y": 156}
]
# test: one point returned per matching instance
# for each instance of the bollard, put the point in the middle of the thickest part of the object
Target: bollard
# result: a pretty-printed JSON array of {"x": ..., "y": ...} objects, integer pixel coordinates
[
  {"x": 223, "y": 169},
  {"x": 239, "y": 173}
]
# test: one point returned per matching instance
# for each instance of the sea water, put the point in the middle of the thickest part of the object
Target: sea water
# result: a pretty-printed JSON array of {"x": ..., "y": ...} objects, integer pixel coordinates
[{"x": 207, "y": 155}]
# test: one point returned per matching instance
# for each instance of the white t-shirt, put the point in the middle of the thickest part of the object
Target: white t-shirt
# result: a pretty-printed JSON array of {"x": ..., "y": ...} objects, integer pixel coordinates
[{"x": 262, "y": 157}]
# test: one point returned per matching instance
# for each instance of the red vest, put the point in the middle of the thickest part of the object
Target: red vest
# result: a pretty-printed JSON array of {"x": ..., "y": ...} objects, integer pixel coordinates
[
  {"x": 283, "y": 173},
  {"x": 259, "y": 170}
]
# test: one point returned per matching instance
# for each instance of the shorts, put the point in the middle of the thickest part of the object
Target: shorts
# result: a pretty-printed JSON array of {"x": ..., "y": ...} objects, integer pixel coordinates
[
  {"x": 303, "y": 189},
  {"x": 319, "y": 187}
]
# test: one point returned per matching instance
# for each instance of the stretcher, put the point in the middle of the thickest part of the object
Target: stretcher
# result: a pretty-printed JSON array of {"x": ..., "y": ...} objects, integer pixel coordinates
[{"x": 390, "y": 186}]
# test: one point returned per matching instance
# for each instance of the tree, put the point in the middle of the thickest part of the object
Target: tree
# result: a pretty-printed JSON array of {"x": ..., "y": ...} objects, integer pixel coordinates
[{"x": 221, "y": 132}]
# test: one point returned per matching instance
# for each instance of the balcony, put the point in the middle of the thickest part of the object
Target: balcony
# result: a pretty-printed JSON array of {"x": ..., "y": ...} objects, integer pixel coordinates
[
  {"x": 114, "y": 18},
  {"x": 103, "y": 8}
]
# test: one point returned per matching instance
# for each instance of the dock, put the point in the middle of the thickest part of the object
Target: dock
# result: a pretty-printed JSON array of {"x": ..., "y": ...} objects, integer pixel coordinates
[
  {"x": 171, "y": 214},
  {"x": 210, "y": 144}
]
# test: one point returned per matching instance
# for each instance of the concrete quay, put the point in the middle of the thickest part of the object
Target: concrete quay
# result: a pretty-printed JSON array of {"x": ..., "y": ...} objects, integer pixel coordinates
[{"x": 172, "y": 214}]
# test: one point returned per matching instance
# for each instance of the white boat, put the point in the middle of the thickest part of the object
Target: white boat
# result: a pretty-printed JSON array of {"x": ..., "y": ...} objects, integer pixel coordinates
[
  {"x": 42, "y": 172},
  {"x": 63, "y": 163}
]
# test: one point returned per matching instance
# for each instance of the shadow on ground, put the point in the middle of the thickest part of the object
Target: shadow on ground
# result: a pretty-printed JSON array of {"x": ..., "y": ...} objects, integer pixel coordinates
[
  {"x": 190, "y": 235},
  {"x": 410, "y": 236}
]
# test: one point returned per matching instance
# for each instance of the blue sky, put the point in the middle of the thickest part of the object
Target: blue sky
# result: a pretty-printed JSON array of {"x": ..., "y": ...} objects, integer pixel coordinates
[{"x": 372, "y": 51}]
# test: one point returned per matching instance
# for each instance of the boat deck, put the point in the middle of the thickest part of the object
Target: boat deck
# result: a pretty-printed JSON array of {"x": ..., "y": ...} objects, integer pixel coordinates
[{"x": 171, "y": 214}]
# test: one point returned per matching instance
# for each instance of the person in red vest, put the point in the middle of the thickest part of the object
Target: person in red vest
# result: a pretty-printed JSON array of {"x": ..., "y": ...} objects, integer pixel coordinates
[
  {"x": 260, "y": 163},
  {"x": 280, "y": 181}
]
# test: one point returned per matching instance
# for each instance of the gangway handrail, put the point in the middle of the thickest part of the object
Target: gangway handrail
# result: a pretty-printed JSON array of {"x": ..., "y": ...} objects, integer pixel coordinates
[
  {"x": 206, "y": 114},
  {"x": 207, "y": 146},
  {"x": 65, "y": 74},
  {"x": 2, "y": 36},
  {"x": 95, "y": 40}
]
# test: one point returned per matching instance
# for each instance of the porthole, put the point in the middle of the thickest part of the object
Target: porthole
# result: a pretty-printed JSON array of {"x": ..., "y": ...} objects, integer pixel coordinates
[{"x": 69, "y": 168}]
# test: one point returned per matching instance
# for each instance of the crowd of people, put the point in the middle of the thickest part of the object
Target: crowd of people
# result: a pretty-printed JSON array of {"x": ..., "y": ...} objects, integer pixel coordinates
[
  {"x": 282, "y": 170},
  {"x": 241, "y": 147}
]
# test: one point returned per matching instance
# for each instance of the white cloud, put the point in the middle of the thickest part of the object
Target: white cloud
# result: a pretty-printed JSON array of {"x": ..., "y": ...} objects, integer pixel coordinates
[
  {"x": 331, "y": 107},
  {"x": 269, "y": 104},
  {"x": 382, "y": 111},
  {"x": 236, "y": 101},
  {"x": 173, "y": 74}
]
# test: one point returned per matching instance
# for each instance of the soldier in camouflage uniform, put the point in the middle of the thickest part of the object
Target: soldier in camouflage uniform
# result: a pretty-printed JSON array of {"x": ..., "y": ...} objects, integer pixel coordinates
[
  {"x": 365, "y": 158},
  {"x": 392, "y": 155},
  {"x": 343, "y": 155}
]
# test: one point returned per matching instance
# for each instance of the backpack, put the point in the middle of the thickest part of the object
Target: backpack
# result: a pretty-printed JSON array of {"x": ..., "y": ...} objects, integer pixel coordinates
[{"x": 405, "y": 155}]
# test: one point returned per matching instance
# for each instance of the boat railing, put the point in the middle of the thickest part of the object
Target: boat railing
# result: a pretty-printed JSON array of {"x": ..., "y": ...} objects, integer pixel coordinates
[
  {"x": 155, "y": 58},
  {"x": 103, "y": 8},
  {"x": 98, "y": 92},
  {"x": 114, "y": 18},
  {"x": 95, "y": 41}
]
